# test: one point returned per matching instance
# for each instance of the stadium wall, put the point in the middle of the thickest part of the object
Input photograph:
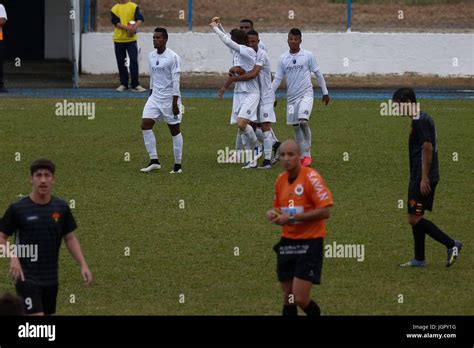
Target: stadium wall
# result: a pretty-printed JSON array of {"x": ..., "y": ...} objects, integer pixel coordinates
[{"x": 336, "y": 53}]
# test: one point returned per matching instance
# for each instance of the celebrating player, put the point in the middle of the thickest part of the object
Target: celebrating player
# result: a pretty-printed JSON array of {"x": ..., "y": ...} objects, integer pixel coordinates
[
  {"x": 164, "y": 101},
  {"x": 40, "y": 221},
  {"x": 297, "y": 66},
  {"x": 246, "y": 93},
  {"x": 301, "y": 206},
  {"x": 266, "y": 114},
  {"x": 424, "y": 176}
]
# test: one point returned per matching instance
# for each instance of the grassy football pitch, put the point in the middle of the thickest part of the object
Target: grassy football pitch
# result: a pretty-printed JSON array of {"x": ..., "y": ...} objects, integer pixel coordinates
[{"x": 189, "y": 250}]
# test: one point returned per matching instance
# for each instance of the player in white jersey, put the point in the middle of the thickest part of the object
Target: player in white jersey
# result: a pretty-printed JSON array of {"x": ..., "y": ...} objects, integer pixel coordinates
[
  {"x": 266, "y": 113},
  {"x": 247, "y": 26},
  {"x": 246, "y": 93},
  {"x": 297, "y": 65},
  {"x": 164, "y": 102}
]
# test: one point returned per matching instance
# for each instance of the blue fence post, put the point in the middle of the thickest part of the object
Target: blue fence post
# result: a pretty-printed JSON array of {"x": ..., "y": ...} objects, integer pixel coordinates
[
  {"x": 86, "y": 16},
  {"x": 348, "y": 16},
  {"x": 190, "y": 15}
]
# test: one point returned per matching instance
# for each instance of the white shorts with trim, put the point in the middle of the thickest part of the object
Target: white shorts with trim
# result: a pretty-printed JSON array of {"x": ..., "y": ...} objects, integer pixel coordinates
[
  {"x": 163, "y": 110},
  {"x": 300, "y": 108},
  {"x": 266, "y": 113},
  {"x": 244, "y": 105}
]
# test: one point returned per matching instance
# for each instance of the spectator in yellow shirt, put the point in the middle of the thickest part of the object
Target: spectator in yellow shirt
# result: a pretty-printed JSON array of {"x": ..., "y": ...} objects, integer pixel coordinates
[{"x": 126, "y": 18}]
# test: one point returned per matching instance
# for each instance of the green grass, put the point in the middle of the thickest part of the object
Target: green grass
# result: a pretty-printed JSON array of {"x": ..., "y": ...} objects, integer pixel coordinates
[{"x": 190, "y": 251}]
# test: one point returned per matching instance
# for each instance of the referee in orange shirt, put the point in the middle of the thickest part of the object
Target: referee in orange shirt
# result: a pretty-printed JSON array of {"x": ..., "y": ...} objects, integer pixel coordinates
[{"x": 301, "y": 205}]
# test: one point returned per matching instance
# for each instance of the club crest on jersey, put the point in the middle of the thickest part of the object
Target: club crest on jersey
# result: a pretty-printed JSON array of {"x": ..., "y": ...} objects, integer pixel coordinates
[
  {"x": 56, "y": 216},
  {"x": 294, "y": 61},
  {"x": 412, "y": 202},
  {"x": 299, "y": 189}
]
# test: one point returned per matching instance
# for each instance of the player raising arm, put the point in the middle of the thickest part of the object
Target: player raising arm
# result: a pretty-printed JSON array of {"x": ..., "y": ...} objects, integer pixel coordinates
[{"x": 246, "y": 93}]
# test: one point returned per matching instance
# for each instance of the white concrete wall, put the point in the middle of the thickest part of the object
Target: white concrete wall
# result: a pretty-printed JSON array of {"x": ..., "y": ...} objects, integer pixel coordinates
[
  {"x": 57, "y": 27},
  {"x": 366, "y": 53}
]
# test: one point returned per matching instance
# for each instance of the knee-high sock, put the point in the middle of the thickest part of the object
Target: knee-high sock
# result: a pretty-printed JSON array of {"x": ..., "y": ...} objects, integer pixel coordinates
[
  {"x": 250, "y": 137},
  {"x": 307, "y": 137},
  {"x": 274, "y": 138},
  {"x": 178, "y": 148},
  {"x": 267, "y": 145},
  {"x": 299, "y": 137},
  {"x": 150, "y": 143},
  {"x": 259, "y": 134},
  {"x": 238, "y": 141},
  {"x": 434, "y": 232},
  {"x": 419, "y": 241}
]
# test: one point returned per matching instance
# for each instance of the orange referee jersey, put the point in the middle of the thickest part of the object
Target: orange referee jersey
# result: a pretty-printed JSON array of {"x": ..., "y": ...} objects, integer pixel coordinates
[{"x": 306, "y": 193}]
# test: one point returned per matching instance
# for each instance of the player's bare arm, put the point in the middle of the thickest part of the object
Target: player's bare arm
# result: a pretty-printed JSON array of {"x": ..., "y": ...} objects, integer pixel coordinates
[
  {"x": 74, "y": 248},
  {"x": 425, "y": 169},
  {"x": 248, "y": 75},
  {"x": 16, "y": 272},
  {"x": 175, "y": 105}
]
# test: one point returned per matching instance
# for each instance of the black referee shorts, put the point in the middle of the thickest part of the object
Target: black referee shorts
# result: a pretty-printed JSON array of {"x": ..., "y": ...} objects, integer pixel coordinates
[
  {"x": 37, "y": 299},
  {"x": 417, "y": 203},
  {"x": 301, "y": 258}
]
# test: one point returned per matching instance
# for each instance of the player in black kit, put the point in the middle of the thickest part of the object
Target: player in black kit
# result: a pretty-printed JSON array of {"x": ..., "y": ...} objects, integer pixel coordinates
[
  {"x": 40, "y": 222},
  {"x": 424, "y": 176}
]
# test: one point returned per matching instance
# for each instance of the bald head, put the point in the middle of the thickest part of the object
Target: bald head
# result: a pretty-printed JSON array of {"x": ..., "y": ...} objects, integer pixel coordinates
[
  {"x": 290, "y": 145},
  {"x": 290, "y": 153}
]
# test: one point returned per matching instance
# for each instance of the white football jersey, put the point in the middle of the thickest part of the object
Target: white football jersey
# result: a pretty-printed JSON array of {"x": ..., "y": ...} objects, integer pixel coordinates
[
  {"x": 265, "y": 78},
  {"x": 163, "y": 67},
  {"x": 246, "y": 59},
  {"x": 297, "y": 69}
]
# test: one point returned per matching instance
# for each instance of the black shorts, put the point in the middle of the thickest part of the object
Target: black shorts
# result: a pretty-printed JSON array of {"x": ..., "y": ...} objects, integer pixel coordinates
[
  {"x": 417, "y": 203},
  {"x": 37, "y": 299},
  {"x": 301, "y": 258}
]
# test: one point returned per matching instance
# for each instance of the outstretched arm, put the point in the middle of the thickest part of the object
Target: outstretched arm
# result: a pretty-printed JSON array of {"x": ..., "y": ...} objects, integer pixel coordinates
[{"x": 224, "y": 38}]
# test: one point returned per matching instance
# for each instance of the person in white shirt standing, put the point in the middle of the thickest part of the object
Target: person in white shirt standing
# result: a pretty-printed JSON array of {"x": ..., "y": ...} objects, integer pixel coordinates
[
  {"x": 164, "y": 101},
  {"x": 297, "y": 65},
  {"x": 3, "y": 20},
  {"x": 246, "y": 93}
]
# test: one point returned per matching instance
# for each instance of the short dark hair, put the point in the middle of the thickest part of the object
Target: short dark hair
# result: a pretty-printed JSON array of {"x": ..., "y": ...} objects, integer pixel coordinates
[
  {"x": 163, "y": 31},
  {"x": 404, "y": 94},
  {"x": 295, "y": 32},
  {"x": 11, "y": 305},
  {"x": 252, "y": 32},
  {"x": 239, "y": 36},
  {"x": 245, "y": 20},
  {"x": 42, "y": 164}
]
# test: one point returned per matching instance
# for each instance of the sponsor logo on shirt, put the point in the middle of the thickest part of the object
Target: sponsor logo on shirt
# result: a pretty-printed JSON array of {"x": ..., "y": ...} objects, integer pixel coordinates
[
  {"x": 32, "y": 218},
  {"x": 318, "y": 186}
]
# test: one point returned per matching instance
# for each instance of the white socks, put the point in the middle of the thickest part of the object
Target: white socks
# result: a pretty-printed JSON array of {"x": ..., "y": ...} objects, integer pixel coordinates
[
  {"x": 274, "y": 138},
  {"x": 178, "y": 148},
  {"x": 299, "y": 137},
  {"x": 304, "y": 125},
  {"x": 238, "y": 141},
  {"x": 150, "y": 143},
  {"x": 267, "y": 145},
  {"x": 259, "y": 134},
  {"x": 249, "y": 138}
]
